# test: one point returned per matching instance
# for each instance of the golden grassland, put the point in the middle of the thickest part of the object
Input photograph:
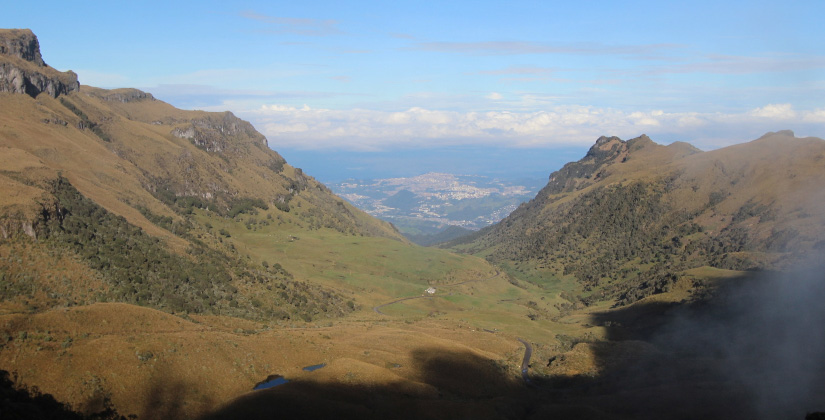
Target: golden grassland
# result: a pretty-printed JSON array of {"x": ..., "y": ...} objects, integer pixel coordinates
[
  {"x": 146, "y": 362},
  {"x": 59, "y": 333}
]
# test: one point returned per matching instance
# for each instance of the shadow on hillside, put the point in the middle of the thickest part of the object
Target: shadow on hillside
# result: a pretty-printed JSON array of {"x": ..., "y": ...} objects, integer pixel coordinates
[
  {"x": 165, "y": 399},
  {"x": 16, "y": 403},
  {"x": 755, "y": 350},
  {"x": 450, "y": 385}
]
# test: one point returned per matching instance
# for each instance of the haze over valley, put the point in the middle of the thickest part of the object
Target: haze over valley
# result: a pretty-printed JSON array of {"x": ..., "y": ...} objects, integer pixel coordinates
[
  {"x": 468, "y": 210},
  {"x": 429, "y": 203}
]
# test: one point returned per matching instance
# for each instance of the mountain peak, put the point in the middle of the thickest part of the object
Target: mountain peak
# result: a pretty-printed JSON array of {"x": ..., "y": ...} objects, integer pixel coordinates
[
  {"x": 642, "y": 140},
  {"x": 786, "y": 133},
  {"x": 22, "y": 69},
  {"x": 605, "y": 148},
  {"x": 777, "y": 134},
  {"x": 603, "y": 141},
  {"x": 21, "y": 43}
]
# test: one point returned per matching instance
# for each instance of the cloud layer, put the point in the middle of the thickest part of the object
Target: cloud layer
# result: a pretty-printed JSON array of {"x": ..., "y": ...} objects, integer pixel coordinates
[
  {"x": 295, "y": 26},
  {"x": 361, "y": 129}
]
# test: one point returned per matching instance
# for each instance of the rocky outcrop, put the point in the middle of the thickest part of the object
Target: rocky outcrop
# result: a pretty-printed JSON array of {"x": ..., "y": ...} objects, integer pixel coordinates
[
  {"x": 577, "y": 175},
  {"x": 13, "y": 225},
  {"x": 126, "y": 95},
  {"x": 16, "y": 79},
  {"x": 212, "y": 133},
  {"x": 22, "y": 69},
  {"x": 21, "y": 43}
]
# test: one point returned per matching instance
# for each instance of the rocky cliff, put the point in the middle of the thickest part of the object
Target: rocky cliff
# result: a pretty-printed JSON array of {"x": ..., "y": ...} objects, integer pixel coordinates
[{"x": 22, "y": 69}]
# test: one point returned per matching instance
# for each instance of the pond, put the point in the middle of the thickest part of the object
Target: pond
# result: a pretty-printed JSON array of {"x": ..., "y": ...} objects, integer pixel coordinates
[
  {"x": 275, "y": 380},
  {"x": 270, "y": 382},
  {"x": 314, "y": 367}
]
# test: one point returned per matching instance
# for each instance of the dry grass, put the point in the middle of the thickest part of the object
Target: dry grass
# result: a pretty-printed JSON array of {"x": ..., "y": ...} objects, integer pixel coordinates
[{"x": 129, "y": 353}]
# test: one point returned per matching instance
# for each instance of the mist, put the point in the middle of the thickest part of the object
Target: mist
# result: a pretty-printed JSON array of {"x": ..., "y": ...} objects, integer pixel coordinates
[{"x": 764, "y": 337}]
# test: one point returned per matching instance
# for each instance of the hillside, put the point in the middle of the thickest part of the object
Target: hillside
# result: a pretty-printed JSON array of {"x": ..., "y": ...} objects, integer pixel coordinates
[
  {"x": 631, "y": 217},
  {"x": 158, "y": 263},
  {"x": 89, "y": 171},
  {"x": 146, "y": 251}
]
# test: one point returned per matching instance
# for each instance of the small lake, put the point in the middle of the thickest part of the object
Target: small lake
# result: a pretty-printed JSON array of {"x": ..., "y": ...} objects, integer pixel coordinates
[
  {"x": 270, "y": 382},
  {"x": 314, "y": 367}
]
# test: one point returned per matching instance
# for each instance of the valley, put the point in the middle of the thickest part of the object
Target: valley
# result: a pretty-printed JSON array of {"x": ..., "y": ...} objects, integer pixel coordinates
[
  {"x": 159, "y": 263},
  {"x": 423, "y": 206}
]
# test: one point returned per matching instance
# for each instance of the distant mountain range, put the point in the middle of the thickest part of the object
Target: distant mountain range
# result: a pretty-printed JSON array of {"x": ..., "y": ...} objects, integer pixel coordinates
[{"x": 427, "y": 204}]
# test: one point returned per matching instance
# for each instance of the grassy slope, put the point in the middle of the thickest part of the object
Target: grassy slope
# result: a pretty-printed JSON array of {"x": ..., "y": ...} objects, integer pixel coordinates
[
  {"x": 86, "y": 351},
  {"x": 754, "y": 205},
  {"x": 152, "y": 363}
]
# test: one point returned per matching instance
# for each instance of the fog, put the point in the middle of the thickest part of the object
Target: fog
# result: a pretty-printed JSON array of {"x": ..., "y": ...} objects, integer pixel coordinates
[{"x": 764, "y": 335}]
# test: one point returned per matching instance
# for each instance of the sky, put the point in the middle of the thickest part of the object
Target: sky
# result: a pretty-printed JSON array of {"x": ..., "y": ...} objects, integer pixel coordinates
[{"x": 370, "y": 89}]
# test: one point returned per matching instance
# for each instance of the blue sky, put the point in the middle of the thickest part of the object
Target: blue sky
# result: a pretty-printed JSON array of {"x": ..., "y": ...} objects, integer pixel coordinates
[{"x": 528, "y": 81}]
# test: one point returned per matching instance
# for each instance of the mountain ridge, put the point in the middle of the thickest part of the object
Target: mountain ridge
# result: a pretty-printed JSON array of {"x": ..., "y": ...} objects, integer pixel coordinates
[
  {"x": 91, "y": 171},
  {"x": 755, "y": 205}
]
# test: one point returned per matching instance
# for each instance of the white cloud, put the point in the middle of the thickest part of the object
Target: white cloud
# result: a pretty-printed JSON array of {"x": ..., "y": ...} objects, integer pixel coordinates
[
  {"x": 521, "y": 47},
  {"x": 495, "y": 96},
  {"x": 362, "y": 129},
  {"x": 775, "y": 111},
  {"x": 532, "y": 70},
  {"x": 646, "y": 119},
  {"x": 815, "y": 116},
  {"x": 295, "y": 26},
  {"x": 731, "y": 64}
]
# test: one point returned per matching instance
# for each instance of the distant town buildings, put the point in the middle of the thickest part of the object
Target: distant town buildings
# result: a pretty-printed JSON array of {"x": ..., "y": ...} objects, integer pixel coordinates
[{"x": 437, "y": 199}]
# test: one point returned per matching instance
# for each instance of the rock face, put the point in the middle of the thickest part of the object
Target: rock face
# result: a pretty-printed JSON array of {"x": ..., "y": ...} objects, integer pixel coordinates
[
  {"x": 22, "y": 69},
  {"x": 212, "y": 134},
  {"x": 126, "y": 95},
  {"x": 21, "y": 43}
]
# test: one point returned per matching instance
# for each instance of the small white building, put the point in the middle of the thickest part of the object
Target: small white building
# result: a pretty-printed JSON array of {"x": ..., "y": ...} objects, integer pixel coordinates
[{"x": 430, "y": 290}]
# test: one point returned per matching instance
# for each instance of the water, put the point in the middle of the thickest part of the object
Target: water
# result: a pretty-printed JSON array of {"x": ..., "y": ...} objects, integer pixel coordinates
[
  {"x": 270, "y": 382},
  {"x": 274, "y": 380},
  {"x": 314, "y": 367}
]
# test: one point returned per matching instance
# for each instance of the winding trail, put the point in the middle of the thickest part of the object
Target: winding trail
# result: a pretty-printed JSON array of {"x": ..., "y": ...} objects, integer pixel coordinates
[{"x": 525, "y": 363}]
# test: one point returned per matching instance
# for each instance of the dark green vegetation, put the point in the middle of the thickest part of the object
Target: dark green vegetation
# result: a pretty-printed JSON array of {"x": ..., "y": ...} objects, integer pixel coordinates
[
  {"x": 622, "y": 240},
  {"x": 140, "y": 271},
  {"x": 630, "y": 218},
  {"x": 120, "y": 191},
  {"x": 85, "y": 122}
]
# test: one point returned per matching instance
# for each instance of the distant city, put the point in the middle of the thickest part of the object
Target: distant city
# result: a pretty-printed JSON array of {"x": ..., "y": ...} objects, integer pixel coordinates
[{"x": 428, "y": 203}]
